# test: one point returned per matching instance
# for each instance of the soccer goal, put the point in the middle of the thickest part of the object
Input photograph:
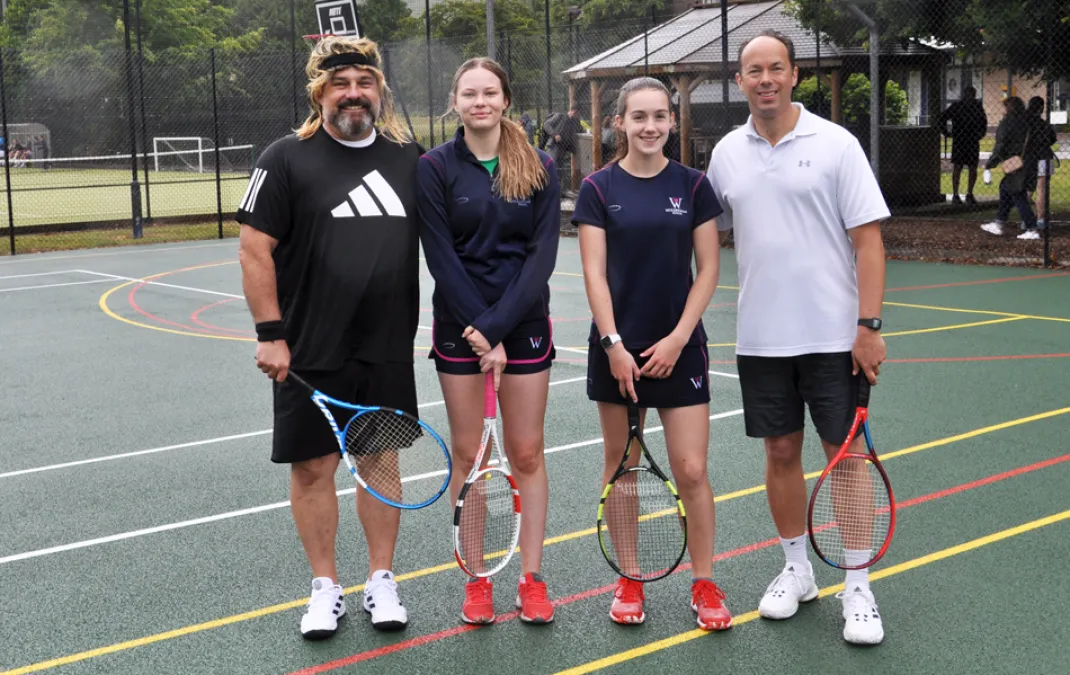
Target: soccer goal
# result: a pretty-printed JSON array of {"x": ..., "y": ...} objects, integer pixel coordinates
[{"x": 196, "y": 154}]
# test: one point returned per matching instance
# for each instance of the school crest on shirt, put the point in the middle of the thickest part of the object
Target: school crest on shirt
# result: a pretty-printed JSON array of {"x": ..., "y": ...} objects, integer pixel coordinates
[{"x": 674, "y": 203}]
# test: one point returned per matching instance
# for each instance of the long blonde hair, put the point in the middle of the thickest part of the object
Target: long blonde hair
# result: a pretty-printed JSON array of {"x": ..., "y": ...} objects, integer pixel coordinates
[
  {"x": 629, "y": 88},
  {"x": 520, "y": 171},
  {"x": 387, "y": 121}
]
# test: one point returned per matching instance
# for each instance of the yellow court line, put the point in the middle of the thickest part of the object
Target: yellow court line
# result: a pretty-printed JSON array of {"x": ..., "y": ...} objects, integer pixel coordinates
[
  {"x": 919, "y": 331},
  {"x": 274, "y": 609},
  {"x": 681, "y": 638},
  {"x": 937, "y": 329},
  {"x": 978, "y": 311}
]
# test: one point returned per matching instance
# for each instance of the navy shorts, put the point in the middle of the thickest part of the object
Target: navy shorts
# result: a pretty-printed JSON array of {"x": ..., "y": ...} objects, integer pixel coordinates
[
  {"x": 529, "y": 348},
  {"x": 776, "y": 389},
  {"x": 688, "y": 385},
  {"x": 302, "y": 432}
]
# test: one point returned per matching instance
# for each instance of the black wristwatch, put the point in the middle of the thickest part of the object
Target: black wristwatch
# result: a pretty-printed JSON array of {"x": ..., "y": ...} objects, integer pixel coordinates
[{"x": 872, "y": 324}]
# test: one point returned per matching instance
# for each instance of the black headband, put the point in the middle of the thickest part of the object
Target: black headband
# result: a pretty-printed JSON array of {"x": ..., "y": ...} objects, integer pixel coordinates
[{"x": 347, "y": 59}]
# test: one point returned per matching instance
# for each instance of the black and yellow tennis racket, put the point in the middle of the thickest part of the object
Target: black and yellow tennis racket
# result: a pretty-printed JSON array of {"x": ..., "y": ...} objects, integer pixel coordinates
[{"x": 642, "y": 527}]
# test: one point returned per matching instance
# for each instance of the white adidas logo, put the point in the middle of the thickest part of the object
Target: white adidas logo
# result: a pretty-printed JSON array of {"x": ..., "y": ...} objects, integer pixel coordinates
[{"x": 366, "y": 206}]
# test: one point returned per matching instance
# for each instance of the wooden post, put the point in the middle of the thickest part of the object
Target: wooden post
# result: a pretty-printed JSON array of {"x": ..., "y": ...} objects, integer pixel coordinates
[
  {"x": 574, "y": 179},
  {"x": 835, "y": 91},
  {"x": 596, "y": 125}
]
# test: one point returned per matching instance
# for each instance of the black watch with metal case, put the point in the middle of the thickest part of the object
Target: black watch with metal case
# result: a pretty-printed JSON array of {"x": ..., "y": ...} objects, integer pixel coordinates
[{"x": 872, "y": 324}]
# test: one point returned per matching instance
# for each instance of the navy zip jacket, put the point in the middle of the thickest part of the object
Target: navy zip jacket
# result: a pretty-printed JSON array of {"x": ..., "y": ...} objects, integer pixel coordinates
[{"x": 491, "y": 258}]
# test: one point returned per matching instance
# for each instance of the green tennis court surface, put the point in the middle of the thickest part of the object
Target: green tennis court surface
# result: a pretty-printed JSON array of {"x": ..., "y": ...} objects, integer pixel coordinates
[{"x": 171, "y": 548}]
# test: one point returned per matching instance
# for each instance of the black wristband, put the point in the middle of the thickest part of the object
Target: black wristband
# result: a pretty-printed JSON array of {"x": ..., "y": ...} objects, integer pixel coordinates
[{"x": 269, "y": 331}]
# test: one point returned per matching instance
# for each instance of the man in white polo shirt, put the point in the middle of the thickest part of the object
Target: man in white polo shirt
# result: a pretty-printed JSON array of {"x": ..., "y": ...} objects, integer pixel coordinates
[{"x": 805, "y": 206}]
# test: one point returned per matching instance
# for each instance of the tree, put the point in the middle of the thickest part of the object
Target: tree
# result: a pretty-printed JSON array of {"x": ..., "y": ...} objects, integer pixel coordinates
[
  {"x": 386, "y": 20},
  {"x": 1014, "y": 33},
  {"x": 854, "y": 100}
]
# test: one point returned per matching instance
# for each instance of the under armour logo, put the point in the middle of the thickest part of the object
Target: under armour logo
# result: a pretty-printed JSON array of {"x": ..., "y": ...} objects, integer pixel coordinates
[
  {"x": 535, "y": 342},
  {"x": 804, "y": 162},
  {"x": 696, "y": 382}
]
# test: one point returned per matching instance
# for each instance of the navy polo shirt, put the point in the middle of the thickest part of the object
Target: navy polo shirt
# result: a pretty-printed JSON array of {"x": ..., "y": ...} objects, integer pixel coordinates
[{"x": 649, "y": 224}]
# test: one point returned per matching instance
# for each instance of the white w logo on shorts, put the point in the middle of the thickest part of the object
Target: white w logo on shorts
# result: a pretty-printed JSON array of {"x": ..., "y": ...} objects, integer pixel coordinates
[{"x": 366, "y": 205}]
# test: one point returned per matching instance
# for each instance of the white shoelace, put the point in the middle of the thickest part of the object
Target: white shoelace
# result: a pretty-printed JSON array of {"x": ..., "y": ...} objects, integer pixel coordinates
[
  {"x": 324, "y": 599},
  {"x": 383, "y": 591},
  {"x": 782, "y": 582}
]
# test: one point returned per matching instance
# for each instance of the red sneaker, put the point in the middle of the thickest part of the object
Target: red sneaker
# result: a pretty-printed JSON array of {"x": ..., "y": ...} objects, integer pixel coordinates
[
  {"x": 478, "y": 602},
  {"x": 628, "y": 598},
  {"x": 708, "y": 602},
  {"x": 533, "y": 601}
]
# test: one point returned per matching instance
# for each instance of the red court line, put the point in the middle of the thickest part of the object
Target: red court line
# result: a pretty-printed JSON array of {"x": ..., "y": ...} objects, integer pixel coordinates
[
  {"x": 768, "y": 543},
  {"x": 977, "y": 283},
  {"x": 195, "y": 318},
  {"x": 131, "y": 298}
]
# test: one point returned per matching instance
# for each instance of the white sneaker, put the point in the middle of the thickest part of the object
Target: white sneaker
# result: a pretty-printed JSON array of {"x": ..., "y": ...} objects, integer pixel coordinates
[
  {"x": 792, "y": 586},
  {"x": 382, "y": 602},
  {"x": 326, "y": 606},
  {"x": 863, "y": 622},
  {"x": 1029, "y": 234},
  {"x": 995, "y": 227}
]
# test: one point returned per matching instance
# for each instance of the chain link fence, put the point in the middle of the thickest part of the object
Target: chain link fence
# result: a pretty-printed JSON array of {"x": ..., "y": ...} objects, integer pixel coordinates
[{"x": 84, "y": 136}]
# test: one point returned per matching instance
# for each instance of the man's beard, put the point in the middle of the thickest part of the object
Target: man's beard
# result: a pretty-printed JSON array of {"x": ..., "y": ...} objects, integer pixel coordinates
[{"x": 351, "y": 127}]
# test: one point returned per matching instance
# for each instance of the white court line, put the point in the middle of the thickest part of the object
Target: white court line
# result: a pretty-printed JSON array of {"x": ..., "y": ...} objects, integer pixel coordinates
[
  {"x": 160, "y": 283},
  {"x": 719, "y": 373},
  {"x": 194, "y": 444},
  {"x": 69, "y": 283},
  {"x": 38, "y": 274},
  {"x": 267, "y": 507}
]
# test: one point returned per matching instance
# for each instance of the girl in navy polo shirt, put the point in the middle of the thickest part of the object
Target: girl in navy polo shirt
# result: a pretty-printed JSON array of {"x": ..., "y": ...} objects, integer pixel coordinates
[
  {"x": 640, "y": 220},
  {"x": 490, "y": 208}
]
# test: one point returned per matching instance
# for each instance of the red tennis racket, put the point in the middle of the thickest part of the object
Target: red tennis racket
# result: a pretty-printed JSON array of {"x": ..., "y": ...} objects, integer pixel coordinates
[{"x": 851, "y": 516}]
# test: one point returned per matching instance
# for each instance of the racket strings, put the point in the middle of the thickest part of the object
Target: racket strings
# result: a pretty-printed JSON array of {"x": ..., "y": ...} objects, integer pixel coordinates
[
  {"x": 384, "y": 446},
  {"x": 487, "y": 523},
  {"x": 851, "y": 510},
  {"x": 645, "y": 534}
]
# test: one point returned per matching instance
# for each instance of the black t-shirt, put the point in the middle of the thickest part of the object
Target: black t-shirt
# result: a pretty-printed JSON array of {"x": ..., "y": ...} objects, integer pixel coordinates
[
  {"x": 649, "y": 224},
  {"x": 347, "y": 262}
]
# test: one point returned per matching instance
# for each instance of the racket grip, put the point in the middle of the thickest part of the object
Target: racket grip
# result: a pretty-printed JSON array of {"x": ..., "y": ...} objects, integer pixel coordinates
[
  {"x": 863, "y": 390},
  {"x": 293, "y": 377},
  {"x": 633, "y": 416},
  {"x": 490, "y": 398}
]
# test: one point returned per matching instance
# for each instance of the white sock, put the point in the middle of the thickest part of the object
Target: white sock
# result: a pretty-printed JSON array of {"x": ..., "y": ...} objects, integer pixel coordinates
[
  {"x": 857, "y": 578},
  {"x": 795, "y": 553}
]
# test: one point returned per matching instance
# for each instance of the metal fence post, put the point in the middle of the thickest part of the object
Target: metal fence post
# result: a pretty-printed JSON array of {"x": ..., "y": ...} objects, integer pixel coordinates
[
  {"x": 430, "y": 83},
  {"x": 135, "y": 189},
  {"x": 215, "y": 141},
  {"x": 7, "y": 164},
  {"x": 144, "y": 127}
]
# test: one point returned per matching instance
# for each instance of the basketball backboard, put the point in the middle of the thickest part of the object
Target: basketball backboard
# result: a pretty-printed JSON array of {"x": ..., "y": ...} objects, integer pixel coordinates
[{"x": 338, "y": 17}]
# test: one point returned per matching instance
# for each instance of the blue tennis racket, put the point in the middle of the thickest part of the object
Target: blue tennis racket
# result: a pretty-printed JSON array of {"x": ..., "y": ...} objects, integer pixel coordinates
[{"x": 397, "y": 458}]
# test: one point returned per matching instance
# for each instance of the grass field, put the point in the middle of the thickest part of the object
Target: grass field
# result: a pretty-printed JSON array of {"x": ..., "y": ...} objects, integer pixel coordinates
[{"x": 57, "y": 196}]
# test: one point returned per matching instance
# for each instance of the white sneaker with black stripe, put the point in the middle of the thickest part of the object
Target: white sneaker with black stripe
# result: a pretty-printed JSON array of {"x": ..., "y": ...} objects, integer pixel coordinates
[
  {"x": 862, "y": 620},
  {"x": 793, "y": 585},
  {"x": 382, "y": 602},
  {"x": 326, "y": 606}
]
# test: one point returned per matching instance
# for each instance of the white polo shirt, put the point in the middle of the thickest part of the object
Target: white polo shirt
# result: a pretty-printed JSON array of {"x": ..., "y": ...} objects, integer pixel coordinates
[{"x": 791, "y": 206}]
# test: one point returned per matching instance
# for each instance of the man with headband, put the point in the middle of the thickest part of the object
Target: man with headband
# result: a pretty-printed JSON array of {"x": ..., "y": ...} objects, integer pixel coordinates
[{"x": 330, "y": 268}]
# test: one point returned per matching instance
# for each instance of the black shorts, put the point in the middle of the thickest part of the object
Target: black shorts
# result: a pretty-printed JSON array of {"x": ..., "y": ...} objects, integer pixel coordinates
[
  {"x": 966, "y": 153},
  {"x": 302, "y": 432},
  {"x": 529, "y": 348},
  {"x": 688, "y": 385},
  {"x": 775, "y": 390}
]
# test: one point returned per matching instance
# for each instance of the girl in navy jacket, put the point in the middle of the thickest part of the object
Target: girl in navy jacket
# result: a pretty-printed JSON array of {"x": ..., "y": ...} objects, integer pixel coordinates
[
  {"x": 490, "y": 214},
  {"x": 641, "y": 219}
]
